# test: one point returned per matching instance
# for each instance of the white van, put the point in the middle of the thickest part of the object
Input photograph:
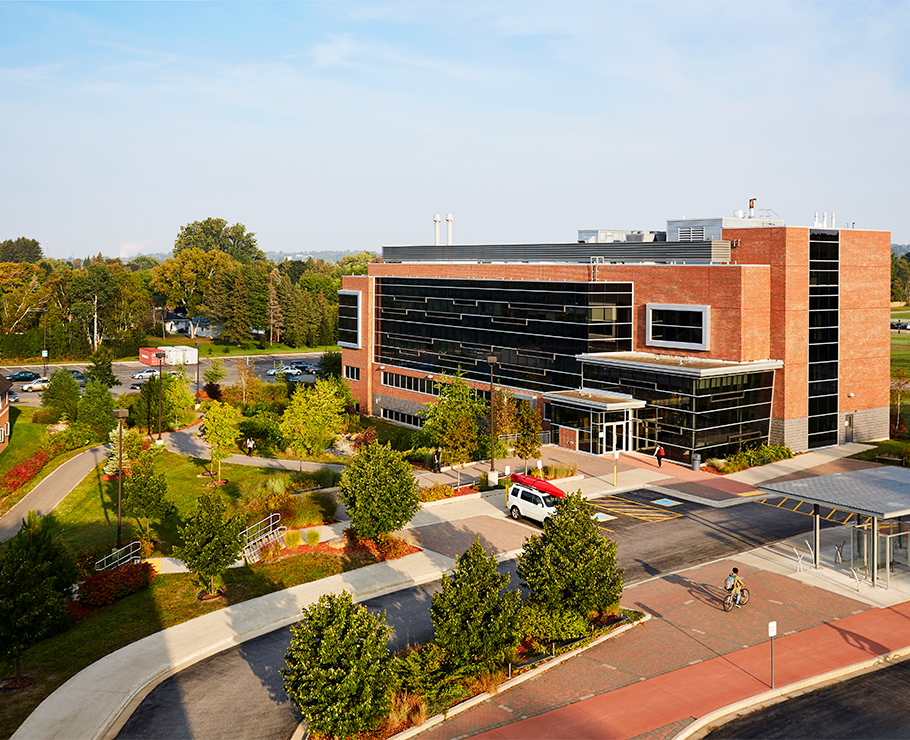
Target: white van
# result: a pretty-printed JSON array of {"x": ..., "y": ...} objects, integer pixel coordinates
[{"x": 524, "y": 501}]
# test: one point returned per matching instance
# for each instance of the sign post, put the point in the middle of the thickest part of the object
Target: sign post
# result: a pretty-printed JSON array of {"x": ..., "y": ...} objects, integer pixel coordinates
[
  {"x": 615, "y": 463},
  {"x": 772, "y": 631}
]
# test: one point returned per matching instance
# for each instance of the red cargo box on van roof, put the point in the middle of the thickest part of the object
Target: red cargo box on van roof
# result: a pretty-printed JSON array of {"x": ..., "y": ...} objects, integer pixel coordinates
[{"x": 541, "y": 485}]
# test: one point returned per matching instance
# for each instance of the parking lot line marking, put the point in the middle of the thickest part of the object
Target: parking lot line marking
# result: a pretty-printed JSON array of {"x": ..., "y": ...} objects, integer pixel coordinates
[{"x": 634, "y": 509}]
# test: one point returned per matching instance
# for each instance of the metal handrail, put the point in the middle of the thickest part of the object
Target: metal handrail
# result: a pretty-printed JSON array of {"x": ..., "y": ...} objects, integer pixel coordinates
[{"x": 129, "y": 553}]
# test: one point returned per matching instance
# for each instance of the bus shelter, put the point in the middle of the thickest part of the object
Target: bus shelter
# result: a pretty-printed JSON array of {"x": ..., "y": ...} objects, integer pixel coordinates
[{"x": 880, "y": 500}]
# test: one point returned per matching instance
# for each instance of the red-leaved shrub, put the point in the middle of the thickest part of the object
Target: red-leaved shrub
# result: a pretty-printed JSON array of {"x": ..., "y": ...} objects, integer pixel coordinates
[
  {"x": 101, "y": 589},
  {"x": 22, "y": 473}
]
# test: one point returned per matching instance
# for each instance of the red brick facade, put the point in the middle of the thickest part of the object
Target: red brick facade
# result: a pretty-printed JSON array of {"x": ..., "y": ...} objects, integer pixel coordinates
[{"x": 759, "y": 310}]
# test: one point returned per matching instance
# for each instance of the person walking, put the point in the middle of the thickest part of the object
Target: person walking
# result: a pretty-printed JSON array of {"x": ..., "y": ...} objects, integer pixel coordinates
[
  {"x": 660, "y": 454},
  {"x": 436, "y": 460},
  {"x": 250, "y": 444}
]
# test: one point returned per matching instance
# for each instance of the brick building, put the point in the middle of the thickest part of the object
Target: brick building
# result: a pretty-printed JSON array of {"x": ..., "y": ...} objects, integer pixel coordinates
[
  {"x": 712, "y": 334},
  {"x": 5, "y": 387}
]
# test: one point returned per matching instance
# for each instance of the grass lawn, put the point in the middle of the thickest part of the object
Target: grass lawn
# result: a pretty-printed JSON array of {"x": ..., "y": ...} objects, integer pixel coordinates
[
  {"x": 89, "y": 514},
  {"x": 170, "y": 600},
  {"x": 26, "y": 438},
  {"x": 900, "y": 352}
]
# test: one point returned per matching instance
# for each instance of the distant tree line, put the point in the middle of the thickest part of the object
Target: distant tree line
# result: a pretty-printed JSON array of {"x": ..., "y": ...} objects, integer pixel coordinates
[{"x": 217, "y": 274}]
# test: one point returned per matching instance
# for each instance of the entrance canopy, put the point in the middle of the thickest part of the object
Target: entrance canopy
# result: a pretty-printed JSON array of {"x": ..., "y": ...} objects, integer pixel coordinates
[{"x": 883, "y": 493}]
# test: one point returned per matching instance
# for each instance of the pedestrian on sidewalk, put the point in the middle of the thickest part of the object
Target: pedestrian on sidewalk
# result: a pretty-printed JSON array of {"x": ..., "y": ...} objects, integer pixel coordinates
[
  {"x": 660, "y": 455},
  {"x": 250, "y": 444},
  {"x": 436, "y": 460}
]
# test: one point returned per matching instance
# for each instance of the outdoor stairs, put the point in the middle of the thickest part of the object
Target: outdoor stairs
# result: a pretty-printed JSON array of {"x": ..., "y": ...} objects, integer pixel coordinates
[{"x": 260, "y": 535}]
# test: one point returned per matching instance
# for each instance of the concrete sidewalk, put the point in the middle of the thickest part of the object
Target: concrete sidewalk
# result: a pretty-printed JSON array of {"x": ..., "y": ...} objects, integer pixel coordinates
[
  {"x": 95, "y": 702},
  {"x": 693, "y": 664}
]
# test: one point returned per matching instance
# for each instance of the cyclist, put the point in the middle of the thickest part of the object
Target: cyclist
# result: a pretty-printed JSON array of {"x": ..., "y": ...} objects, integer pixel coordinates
[{"x": 737, "y": 588}]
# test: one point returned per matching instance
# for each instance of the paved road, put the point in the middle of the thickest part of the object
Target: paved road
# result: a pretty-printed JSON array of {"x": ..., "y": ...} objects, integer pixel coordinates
[
  {"x": 194, "y": 703},
  {"x": 872, "y": 705},
  {"x": 124, "y": 370}
]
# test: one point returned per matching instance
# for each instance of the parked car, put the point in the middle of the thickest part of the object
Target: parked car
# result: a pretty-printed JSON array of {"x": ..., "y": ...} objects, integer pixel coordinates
[
  {"x": 137, "y": 386},
  {"x": 38, "y": 384},
  {"x": 79, "y": 377},
  {"x": 525, "y": 500},
  {"x": 13, "y": 396},
  {"x": 286, "y": 369},
  {"x": 304, "y": 366},
  {"x": 148, "y": 372},
  {"x": 23, "y": 375}
]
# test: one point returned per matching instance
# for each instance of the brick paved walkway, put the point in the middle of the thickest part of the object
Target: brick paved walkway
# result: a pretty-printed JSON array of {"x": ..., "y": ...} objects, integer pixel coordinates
[{"x": 689, "y": 628}]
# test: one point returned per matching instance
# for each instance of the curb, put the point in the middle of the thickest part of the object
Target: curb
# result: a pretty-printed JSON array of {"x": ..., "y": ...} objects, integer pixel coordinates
[
  {"x": 727, "y": 713},
  {"x": 512, "y": 682}
]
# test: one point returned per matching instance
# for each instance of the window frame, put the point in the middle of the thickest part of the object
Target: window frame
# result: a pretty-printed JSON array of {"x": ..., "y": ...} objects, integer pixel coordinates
[{"x": 705, "y": 312}]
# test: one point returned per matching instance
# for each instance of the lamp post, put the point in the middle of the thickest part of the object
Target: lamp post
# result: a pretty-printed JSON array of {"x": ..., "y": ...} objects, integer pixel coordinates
[
  {"x": 196, "y": 345},
  {"x": 160, "y": 356},
  {"x": 492, "y": 360},
  {"x": 44, "y": 350},
  {"x": 119, "y": 415}
]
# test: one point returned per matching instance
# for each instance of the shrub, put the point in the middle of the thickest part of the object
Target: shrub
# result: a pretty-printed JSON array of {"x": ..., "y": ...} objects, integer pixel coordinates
[
  {"x": 364, "y": 438},
  {"x": 556, "y": 470},
  {"x": 540, "y": 624},
  {"x": 101, "y": 589},
  {"x": 293, "y": 539},
  {"x": 22, "y": 473},
  {"x": 312, "y": 538},
  {"x": 435, "y": 492}
]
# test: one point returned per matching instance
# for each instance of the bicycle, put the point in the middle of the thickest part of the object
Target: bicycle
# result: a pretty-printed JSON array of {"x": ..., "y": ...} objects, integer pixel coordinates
[{"x": 743, "y": 599}]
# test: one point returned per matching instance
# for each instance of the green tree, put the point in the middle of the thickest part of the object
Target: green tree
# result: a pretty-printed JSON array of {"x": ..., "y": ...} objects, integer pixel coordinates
[
  {"x": 95, "y": 408},
  {"x": 571, "y": 565},
  {"x": 236, "y": 329},
  {"x": 312, "y": 419},
  {"x": 175, "y": 398},
  {"x": 38, "y": 539},
  {"x": 214, "y": 235},
  {"x": 211, "y": 541},
  {"x": 20, "y": 250},
  {"x": 379, "y": 490},
  {"x": 338, "y": 671},
  {"x": 93, "y": 293},
  {"x": 329, "y": 365},
  {"x": 474, "y": 620},
  {"x": 61, "y": 396},
  {"x": 186, "y": 280},
  {"x": 528, "y": 427},
  {"x": 274, "y": 314},
  {"x": 133, "y": 442},
  {"x": 452, "y": 420},
  {"x": 102, "y": 368},
  {"x": 900, "y": 278},
  {"x": 145, "y": 491},
  {"x": 30, "y": 608},
  {"x": 215, "y": 372},
  {"x": 221, "y": 431}
]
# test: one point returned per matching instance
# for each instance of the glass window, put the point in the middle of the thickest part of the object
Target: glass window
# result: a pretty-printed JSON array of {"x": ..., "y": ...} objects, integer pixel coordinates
[
  {"x": 680, "y": 327},
  {"x": 349, "y": 318}
]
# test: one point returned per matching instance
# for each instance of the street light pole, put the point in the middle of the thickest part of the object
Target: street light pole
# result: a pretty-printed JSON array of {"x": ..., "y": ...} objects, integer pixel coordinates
[
  {"x": 119, "y": 415},
  {"x": 44, "y": 352},
  {"x": 160, "y": 356},
  {"x": 492, "y": 360}
]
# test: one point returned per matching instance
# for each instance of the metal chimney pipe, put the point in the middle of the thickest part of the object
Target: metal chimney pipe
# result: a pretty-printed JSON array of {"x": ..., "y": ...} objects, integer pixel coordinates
[
  {"x": 436, "y": 221},
  {"x": 751, "y": 207},
  {"x": 449, "y": 228},
  {"x": 815, "y": 222},
  {"x": 832, "y": 220},
  {"x": 825, "y": 220}
]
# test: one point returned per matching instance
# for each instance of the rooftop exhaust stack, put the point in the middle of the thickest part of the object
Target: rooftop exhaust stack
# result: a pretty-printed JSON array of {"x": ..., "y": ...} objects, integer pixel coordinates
[
  {"x": 449, "y": 229},
  {"x": 832, "y": 220},
  {"x": 436, "y": 221},
  {"x": 751, "y": 207}
]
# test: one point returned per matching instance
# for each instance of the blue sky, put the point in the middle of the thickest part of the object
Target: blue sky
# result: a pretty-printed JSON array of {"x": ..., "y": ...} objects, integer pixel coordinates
[{"x": 347, "y": 125}]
